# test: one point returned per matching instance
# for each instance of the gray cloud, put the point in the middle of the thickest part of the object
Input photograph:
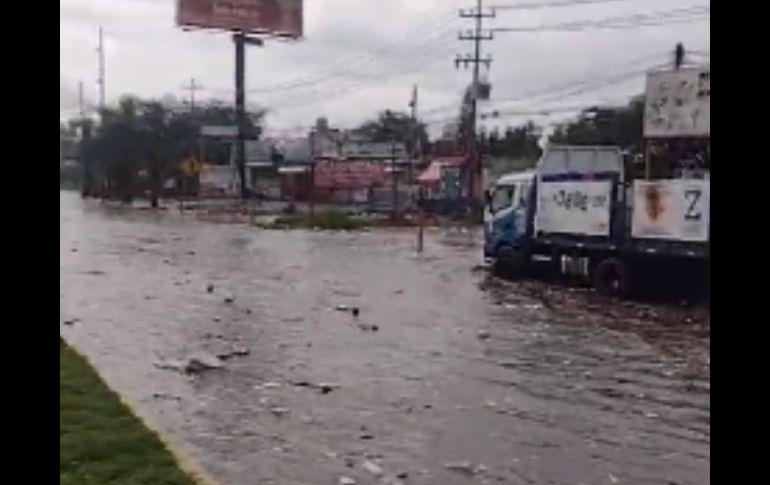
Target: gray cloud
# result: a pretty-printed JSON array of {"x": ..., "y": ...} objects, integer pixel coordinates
[{"x": 359, "y": 57}]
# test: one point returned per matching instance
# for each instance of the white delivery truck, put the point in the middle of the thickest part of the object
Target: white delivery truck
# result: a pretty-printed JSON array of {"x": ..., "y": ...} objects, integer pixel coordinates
[{"x": 577, "y": 214}]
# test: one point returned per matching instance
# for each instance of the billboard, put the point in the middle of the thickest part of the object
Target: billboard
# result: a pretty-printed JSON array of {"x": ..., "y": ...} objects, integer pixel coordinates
[
  {"x": 219, "y": 179},
  {"x": 348, "y": 175},
  {"x": 672, "y": 209},
  {"x": 574, "y": 207},
  {"x": 278, "y": 17},
  {"x": 678, "y": 103}
]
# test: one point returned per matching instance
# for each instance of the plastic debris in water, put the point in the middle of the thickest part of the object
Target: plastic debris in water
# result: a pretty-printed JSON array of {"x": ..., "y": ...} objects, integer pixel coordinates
[
  {"x": 461, "y": 466},
  {"x": 372, "y": 468}
]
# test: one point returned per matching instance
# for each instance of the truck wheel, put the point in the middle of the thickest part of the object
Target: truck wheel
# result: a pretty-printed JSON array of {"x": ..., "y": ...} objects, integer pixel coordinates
[
  {"x": 512, "y": 263},
  {"x": 611, "y": 278}
]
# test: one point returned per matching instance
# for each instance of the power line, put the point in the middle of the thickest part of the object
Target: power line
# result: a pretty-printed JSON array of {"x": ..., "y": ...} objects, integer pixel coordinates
[
  {"x": 577, "y": 83},
  {"x": 555, "y": 3},
  {"x": 687, "y": 14},
  {"x": 101, "y": 79},
  {"x": 331, "y": 87},
  {"x": 424, "y": 32},
  {"x": 416, "y": 64}
]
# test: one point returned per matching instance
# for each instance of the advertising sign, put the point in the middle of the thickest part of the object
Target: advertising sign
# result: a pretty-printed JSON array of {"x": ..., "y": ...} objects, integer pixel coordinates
[
  {"x": 574, "y": 207},
  {"x": 678, "y": 103},
  {"x": 218, "y": 179},
  {"x": 278, "y": 17},
  {"x": 219, "y": 131},
  {"x": 348, "y": 175},
  {"x": 672, "y": 209}
]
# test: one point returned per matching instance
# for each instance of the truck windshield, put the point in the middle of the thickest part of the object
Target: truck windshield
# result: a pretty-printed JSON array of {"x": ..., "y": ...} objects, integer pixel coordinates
[{"x": 503, "y": 197}]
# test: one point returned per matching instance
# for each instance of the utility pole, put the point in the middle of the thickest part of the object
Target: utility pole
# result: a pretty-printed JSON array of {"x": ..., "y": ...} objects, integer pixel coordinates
[
  {"x": 413, "y": 140},
  {"x": 80, "y": 101},
  {"x": 311, "y": 195},
  {"x": 192, "y": 87},
  {"x": 477, "y": 36},
  {"x": 101, "y": 80},
  {"x": 394, "y": 180},
  {"x": 84, "y": 152}
]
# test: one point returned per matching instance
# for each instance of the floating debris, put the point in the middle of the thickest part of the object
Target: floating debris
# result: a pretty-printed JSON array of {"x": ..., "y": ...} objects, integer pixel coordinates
[
  {"x": 372, "y": 468},
  {"x": 196, "y": 365},
  {"x": 268, "y": 385},
  {"x": 279, "y": 412},
  {"x": 95, "y": 272},
  {"x": 234, "y": 353},
  {"x": 346, "y": 481},
  {"x": 483, "y": 334},
  {"x": 326, "y": 387},
  {"x": 461, "y": 466}
]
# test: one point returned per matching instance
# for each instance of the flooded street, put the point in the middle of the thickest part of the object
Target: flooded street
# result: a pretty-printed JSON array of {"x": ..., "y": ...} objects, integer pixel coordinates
[{"x": 465, "y": 380}]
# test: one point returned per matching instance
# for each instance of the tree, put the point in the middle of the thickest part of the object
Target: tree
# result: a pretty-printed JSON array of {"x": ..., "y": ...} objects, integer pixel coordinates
[
  {"x": 518, "y": 142},
  {"x": 620, "y": 126},
  {"x": 393, "y": 125},
  {"x": 153, "y": 137}
]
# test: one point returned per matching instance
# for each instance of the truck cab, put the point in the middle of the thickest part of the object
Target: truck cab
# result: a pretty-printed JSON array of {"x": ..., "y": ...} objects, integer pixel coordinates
[{"x": 509, "y": 214}]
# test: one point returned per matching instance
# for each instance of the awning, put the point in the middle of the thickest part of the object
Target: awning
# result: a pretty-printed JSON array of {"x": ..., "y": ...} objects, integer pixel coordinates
[
  {"x": 435, "y": 171},
  {"x": 293, "y": 169},
  {"x": 431, "y": 175}
]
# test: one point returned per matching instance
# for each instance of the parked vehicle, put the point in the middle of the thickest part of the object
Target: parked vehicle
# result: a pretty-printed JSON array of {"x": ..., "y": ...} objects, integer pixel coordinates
[{"x": 576, "y": 214}]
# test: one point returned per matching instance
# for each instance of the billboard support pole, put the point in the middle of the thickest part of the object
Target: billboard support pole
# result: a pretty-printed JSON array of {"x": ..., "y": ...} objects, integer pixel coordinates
[
  {"x": 240, "y": 39},
  {"x": 240, "y": 109},
  {"x": 311, "y": 201},
  {"x": 394, "y": 180}
]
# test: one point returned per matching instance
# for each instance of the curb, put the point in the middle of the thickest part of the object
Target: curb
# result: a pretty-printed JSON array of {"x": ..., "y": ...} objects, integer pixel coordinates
[{"x": 184, "y": 461}]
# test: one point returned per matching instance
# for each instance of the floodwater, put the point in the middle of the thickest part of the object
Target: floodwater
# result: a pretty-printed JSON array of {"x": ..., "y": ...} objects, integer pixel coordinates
[{"x": 467, "y": 379}]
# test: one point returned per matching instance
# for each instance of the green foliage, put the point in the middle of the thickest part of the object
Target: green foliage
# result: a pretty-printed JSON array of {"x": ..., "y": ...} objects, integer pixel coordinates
[
  {"x": 516, "y": 142},
  {"x": 154, "y": 138},
  {"x": 620, "y": 126},
  {"x": 391, "y": 125}
]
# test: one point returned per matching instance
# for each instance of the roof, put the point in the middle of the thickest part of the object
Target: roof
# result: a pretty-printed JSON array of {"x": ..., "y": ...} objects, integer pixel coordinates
[
  {"x": 455, "y": 161},
  {"x": 512, "y": 178},
  {"x": 291, "y": 169},
  {"x": 372, "y": 149},
  {"x": 432, "y": 174},
  {"x": 560, "y": 159},
  {"x": 294, "y": 150}
]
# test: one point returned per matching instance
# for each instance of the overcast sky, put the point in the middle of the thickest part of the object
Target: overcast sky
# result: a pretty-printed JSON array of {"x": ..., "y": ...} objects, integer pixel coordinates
[{"x": 361, "y": 56}]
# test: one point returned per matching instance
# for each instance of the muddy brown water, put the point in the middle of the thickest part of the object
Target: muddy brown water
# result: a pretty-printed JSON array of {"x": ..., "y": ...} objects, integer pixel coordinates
[{"x": 527, "y": 383}]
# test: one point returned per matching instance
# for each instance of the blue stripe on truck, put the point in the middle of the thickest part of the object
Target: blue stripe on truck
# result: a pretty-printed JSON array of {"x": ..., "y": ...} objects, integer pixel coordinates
[{"x": 578, "y": 176}]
